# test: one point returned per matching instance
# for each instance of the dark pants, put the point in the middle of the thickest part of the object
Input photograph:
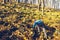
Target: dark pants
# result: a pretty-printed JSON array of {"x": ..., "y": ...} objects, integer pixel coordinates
[{"x": 36, "y": 35}]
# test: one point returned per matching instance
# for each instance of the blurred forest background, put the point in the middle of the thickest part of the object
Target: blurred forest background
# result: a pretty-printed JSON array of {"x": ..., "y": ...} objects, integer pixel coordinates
[{"x": 18, "y": 16}]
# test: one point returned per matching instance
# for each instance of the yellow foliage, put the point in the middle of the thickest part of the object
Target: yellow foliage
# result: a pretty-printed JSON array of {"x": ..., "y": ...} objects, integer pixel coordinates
[
  {"x": 2, "y": 7},
  {"x": 50, "y": 18}
]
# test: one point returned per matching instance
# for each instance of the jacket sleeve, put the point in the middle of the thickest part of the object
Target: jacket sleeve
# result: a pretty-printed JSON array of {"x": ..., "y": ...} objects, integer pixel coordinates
[{"x": 34, "y": 25}]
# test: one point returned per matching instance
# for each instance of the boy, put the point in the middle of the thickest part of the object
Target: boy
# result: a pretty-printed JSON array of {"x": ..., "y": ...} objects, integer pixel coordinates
[{"x": 37, "y": 27}]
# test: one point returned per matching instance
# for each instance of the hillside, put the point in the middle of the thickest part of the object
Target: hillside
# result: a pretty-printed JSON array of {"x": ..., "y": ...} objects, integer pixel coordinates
[{"x": 14, "y": 19}]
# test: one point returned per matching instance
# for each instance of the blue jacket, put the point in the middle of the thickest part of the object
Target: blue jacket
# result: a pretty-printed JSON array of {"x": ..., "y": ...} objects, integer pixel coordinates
[{"x": 39, "y": 23}]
